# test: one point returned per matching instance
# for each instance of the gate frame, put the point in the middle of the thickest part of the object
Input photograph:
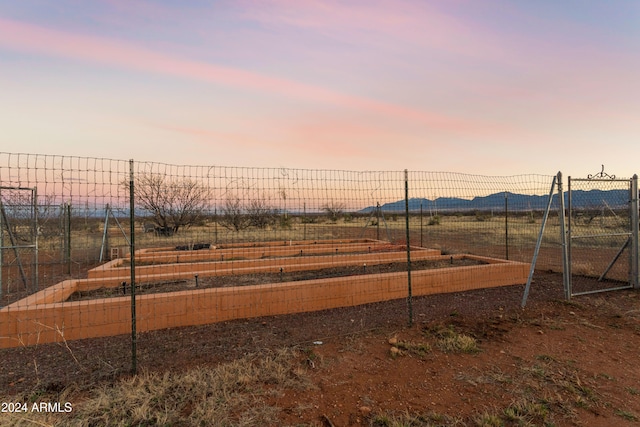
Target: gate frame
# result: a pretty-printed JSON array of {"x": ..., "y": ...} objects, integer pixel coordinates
[
  {"x": 634, "y": 278},
  {"x": 5, "y": 224},
  {"x": 632, "y": 240}
]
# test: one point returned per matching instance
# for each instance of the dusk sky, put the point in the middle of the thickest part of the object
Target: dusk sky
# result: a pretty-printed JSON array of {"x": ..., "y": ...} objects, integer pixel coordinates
[{"x": 491, "y": 87}]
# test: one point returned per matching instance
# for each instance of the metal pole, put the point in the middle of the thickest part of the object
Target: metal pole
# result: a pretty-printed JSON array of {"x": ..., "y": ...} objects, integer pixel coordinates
[
  {"x": 67, "y": 237},
  {"x": 132, "y": 250},
  {"x": 406, "y": 212},
  {"x": 304, "y": 221},
  {"x": 635, "y": 254},
  {"x": 506, "y": 224},
  {"x": 105, "y": 234},
  {"x": 36, "y": 272},
  {"x": 1, "y": 249},
  {"x": 566, "y": 269},
  {"x": 377, "y": 220},
  {"x": 615, "y": 259},
  {"x": 538, "y": 243},
  {"x": 569, "y": 234},
  {"x": 421, "y": 232}
]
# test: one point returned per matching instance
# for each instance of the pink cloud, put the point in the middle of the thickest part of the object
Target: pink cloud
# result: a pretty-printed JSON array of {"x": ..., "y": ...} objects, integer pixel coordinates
[
  {"x": 29, "y": 38},
  {"x": 450, "y": 28},
  {"x": 424, "y": 24}
]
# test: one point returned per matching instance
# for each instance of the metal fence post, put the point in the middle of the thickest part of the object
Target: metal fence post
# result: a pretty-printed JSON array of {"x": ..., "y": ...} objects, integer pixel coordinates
[
  {"x": 421, "y": 230},
  {"x": 506, "y": 224},
  {"x": 539, "y": 242},
  {"x": 635, "y": 223},
  {"x": 377, "y": 220},
  {"x": 132, "y": 251},
  {"x": 406, "y": 211},
  {"x": 566, "y": 262},
  {"x": 67, "y": 237},
  {"x": 1, "y": 251},
  {"x": 36, "y": 231}
]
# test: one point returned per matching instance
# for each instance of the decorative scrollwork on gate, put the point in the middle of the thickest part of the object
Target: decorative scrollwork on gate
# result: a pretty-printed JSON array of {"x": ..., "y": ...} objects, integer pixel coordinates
[{"x": 601, "y": 175}]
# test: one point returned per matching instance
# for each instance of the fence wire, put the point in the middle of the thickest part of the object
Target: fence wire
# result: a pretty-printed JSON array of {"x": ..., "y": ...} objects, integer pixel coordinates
[
  {"x": 216, "y": 244},
  {"x": 599, "y": 232}
]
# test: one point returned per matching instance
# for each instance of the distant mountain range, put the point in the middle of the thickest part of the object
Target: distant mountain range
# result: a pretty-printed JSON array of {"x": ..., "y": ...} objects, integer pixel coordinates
[{"x": 592, "y": 199}]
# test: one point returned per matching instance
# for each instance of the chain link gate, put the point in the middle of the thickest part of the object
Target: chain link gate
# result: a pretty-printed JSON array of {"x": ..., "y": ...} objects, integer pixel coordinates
[
  {"x": 602, "y": 234},
  {"x": 18, "y": 241}
]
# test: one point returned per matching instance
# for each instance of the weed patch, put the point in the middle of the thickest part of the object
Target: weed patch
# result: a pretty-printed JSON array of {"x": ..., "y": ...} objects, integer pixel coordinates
[{"x": 449, "y": 340}]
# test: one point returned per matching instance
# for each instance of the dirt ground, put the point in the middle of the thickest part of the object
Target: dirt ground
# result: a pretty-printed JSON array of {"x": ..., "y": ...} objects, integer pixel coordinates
[{"x": 554, "y": 363}]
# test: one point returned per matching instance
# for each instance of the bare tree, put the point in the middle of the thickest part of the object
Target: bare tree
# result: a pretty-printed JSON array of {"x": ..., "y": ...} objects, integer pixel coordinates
[
  {"x": 260, "y": 213},
  {"x": 334, "y": 210},
  {"x": 172, "y": 203},
  {"x": 233, "y": 214}
]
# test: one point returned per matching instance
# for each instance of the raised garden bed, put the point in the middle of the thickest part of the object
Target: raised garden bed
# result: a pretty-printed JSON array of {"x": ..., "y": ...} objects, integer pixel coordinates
[
  {"x": 283, "y": 283},
  {"x": 269, "y": 278}
]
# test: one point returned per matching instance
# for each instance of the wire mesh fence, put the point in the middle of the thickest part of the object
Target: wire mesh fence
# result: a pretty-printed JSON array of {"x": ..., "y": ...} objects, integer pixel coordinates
[
  {"x": 599, "y": 232},
  {"x": 204, "y": 244}
]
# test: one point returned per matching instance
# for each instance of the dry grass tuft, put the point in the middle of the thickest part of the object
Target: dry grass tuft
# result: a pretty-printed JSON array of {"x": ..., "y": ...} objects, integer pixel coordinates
[
  {"x": 450, "y": 341},
  {"x": 458, "y": 343},
  {"x": 228, "y": 394},
  {"x": 412, "y": 348},
  {"x": 406, "y": 418}
]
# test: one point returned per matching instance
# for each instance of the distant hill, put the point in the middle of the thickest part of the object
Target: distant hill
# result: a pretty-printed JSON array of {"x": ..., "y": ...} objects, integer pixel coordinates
[{"x": 592, "y": 199}]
